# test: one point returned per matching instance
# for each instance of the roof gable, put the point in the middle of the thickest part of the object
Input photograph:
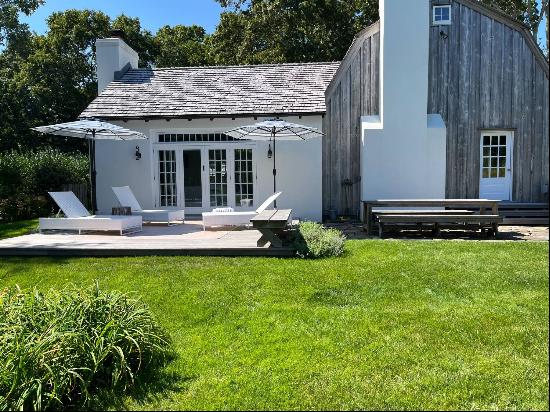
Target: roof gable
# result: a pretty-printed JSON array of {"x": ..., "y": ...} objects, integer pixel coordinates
[{"x": 215, "y": 91}]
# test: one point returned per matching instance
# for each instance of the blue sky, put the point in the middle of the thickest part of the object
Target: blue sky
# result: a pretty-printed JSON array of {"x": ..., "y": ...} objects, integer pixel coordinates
[{"x": 152, "y": 14}]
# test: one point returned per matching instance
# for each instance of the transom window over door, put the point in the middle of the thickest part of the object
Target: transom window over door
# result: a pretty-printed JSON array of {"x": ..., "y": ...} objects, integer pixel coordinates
[
  {"x": 167, "y": 178},
  {"x": 244, "y": 178},
  {"x": 217, "y": 173},
  {"x": 496, "y": 165}
]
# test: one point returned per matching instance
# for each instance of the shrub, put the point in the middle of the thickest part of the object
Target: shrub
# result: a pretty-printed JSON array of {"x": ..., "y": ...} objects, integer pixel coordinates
[
  {"x": 25, "y": 179},
  {"x": 313, "y": 240},
  {"x": 59, "y": 349}
]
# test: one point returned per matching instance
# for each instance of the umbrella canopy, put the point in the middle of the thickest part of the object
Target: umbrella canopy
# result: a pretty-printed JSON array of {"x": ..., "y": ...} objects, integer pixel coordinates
[
  {"x": 265, "y": 130},
  {"x": 91, "y": 129},
  {"x": 270, "y": 130}
]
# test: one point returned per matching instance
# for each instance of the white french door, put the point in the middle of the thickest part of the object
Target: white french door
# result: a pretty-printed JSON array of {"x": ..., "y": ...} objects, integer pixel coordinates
[
  {"x": 496, "y": 158},
  {"x": 200, "y": 178}
]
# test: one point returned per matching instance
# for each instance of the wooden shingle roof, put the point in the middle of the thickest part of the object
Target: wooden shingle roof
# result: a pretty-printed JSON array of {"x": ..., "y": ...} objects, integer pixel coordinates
[{"x": 297, "y": 88}]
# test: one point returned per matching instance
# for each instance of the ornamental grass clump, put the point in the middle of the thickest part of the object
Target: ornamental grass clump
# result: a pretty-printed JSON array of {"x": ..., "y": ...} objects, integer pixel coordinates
[
  {"x": 313, "y": 240},
  {"x": 60, "y": 348}
]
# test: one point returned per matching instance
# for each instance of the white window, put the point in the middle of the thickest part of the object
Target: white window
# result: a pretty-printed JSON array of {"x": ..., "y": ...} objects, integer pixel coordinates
[{"x": 442, "y": 14}]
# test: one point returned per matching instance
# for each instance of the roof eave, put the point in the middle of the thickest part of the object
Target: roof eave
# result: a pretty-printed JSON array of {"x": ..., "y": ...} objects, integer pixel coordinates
[{"x": 192, "y": 116}]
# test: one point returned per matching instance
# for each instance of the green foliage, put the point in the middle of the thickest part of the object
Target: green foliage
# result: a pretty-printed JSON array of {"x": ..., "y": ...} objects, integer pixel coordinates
[
  {"x": 49, "y": 78},
  {"x": 59, "y": 349},
  {"x": 26, "y": 177},
  {"x": 313, "y": 240},
  {"x": 141, "y": 40},
  {"x": 275, "y": 31},
  {"x": 10, "y": 27},
  {"x": 181, "y": 46}
]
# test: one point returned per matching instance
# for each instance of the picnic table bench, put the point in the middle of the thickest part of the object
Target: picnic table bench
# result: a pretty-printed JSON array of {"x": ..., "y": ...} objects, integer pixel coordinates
[
  {"x": 270, "y": 223},
  {"x": 452, "y": 218}
]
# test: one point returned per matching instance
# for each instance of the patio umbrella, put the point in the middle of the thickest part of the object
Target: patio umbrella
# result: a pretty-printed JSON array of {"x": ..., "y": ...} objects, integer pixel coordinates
[
  {"x": 270, "y": 130},
  {"x": 91, "y": 129}
]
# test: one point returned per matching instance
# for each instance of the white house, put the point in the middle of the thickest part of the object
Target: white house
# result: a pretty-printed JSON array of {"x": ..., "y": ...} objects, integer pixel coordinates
[
  {"x": 188, "y": 161},
  {"x": 405, "y": 114}
]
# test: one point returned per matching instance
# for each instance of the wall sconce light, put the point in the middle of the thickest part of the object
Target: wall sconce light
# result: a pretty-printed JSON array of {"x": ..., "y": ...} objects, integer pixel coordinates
[
  {"x": 443, "y": 35},
  {"x": 138, "y": 153},
  {"x": 269, "y": 152}
]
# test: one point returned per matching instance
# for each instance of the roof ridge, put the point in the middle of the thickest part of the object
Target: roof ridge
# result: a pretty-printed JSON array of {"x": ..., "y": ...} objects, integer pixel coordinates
[{"x": 235, "y": 66}]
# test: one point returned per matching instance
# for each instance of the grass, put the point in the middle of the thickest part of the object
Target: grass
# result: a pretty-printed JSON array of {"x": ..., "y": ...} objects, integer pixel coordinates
[
  {"x": 19, "y": 228},
  {"x": 391, "y": 325}
]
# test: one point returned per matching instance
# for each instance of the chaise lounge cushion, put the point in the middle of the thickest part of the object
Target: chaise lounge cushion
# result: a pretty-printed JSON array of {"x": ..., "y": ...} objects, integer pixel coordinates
[
  {"x": 126, "y": 197},
  {"x": 78, "y": 217},
  {"x": 232, "y": 218},
  {"x": 97, "y": 222}
]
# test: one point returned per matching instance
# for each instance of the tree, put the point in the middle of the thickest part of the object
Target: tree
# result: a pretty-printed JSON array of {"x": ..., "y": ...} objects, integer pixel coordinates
[
  {"x": 10, "y": 26},
  {"x": 141, "y": 40},
  {"x": 181, "y": 46},
  {"x": 274, "y": 31},
  {"x": 54, "y": 82}
]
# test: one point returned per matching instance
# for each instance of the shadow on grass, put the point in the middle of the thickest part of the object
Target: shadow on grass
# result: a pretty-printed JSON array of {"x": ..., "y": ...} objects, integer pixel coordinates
[
  {"x": 153, "y": 384},
  {"x": 18, "y": 265},
  {"x": 19, "y": 228}
]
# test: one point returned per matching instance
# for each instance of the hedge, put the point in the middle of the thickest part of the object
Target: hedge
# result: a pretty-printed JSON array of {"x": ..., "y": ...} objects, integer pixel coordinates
[{"x": 26, "y": 178}]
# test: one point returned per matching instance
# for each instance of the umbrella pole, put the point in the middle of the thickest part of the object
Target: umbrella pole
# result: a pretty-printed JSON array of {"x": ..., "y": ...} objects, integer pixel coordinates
[
  {"x": 93, "y": 172},
  {"x": 274, "y": 168}
]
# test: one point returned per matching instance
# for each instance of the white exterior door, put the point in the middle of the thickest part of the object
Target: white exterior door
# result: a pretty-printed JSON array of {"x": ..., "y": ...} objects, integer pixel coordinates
[
  {"x": 496, "y": 165},
  {"x": 202, "y": 177},
  {"x": 231, "y": 177}
]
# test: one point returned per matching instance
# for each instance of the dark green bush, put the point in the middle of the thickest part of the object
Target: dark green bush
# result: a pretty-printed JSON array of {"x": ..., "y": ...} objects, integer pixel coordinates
[
  {"x": 313, "y": 240},
  {"x": 25, "y": 179},
  {"x": 59, "y": 349}
]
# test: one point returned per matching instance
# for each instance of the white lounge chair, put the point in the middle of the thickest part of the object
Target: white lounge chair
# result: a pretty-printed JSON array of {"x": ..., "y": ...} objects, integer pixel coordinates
[
  {"x": 228, "y": 217},
  {"x": 126, "y": 197},
  {"x": 78, "y": 218}
]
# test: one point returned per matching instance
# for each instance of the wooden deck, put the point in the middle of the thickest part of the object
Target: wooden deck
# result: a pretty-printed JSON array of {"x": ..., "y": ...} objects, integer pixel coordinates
[{"x": 182, "y": 239}]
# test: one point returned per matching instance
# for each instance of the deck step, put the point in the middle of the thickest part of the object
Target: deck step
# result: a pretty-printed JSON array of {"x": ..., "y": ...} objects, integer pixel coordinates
[{"x": 524, "y": 214}]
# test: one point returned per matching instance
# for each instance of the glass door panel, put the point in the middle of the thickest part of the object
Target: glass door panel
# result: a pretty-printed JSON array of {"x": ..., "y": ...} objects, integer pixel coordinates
[
  {"x": 217, "y": 176},
  {"x": 192, "y": 178},
  {"x": 167, "y": 178},
  {"x": 244, "y": 178}
]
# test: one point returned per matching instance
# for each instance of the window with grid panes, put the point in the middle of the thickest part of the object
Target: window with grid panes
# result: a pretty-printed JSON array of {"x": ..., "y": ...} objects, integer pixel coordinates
[{"x": 494, "y": 157}]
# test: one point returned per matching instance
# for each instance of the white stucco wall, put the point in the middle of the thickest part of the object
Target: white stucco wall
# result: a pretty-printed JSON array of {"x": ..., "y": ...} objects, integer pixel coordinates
[
  {"x": 299, "y": 174},
  {"x": 112, "y": 54},
  {"x": 403, "y": 151}
]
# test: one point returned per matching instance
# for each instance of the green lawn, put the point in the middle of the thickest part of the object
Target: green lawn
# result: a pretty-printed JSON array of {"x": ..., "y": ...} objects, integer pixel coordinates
[
  {"x": 18, "y": 228},
  {"x": 392, "y": 325}
]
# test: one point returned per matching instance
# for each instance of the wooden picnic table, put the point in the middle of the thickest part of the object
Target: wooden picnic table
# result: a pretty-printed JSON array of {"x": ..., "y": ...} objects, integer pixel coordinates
[
  {"x": 482, "y": 204},
  {"x": 270, "y": 223}
]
